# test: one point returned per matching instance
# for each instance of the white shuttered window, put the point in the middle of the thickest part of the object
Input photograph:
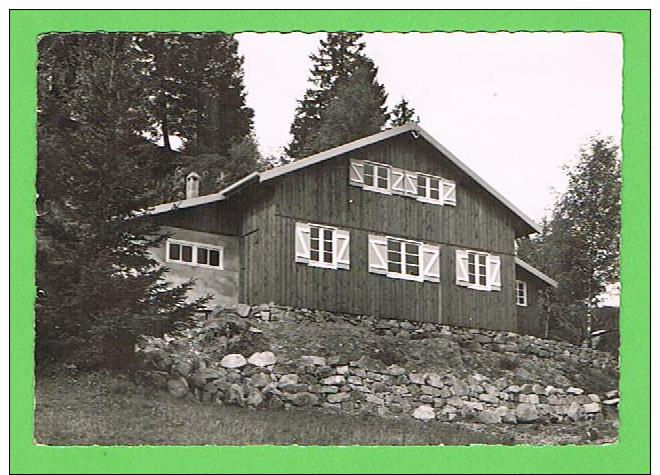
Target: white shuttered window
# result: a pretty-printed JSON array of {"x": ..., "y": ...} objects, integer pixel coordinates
[
  {"x": 404, "y": 259},
  {"x": 478, "y": 270},
  {"x": 322, "y": 246}
]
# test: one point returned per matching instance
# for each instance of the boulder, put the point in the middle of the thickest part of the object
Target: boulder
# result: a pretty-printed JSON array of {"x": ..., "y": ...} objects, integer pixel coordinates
[
  {"x": 591, "y": 408},
  {"x": 574, "y": 411},
  {"x": 290, "y": 378},
  {"x": 338, "y": 397},
  {"x": 178, "y": 387},
  {"x": 261, "y": 380},
  {"x": 334, "y": 380},
  {"x": 341, "y": 369},
  {"x": 183, "y": 368},
  {"x": 265, "y": 358},
  {"x": 488, "y": 416},
  {"x": 255, "y": 398},
  {"x": 242, "y": 310},
  {"x": 526, "y": 413},
  {"x": 435, "y": 380},
  {"x": 488, "y": 398},
  {"x": 312, "y": 360},
  {"x": 424, "y": 413},
  {"x": 460, "y": 389},
  {"x": 576, "y": 391},
  {"x": 395, "y": 370},
  {"x": 234, "y": 360},
  {"x": 304, "y": 399},
  {"x": 417, "y": 378}
]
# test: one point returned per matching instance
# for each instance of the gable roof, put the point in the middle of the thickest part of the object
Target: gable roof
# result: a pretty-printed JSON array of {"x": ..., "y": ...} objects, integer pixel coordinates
[
  {"x": 535, "y": 272},
  {"x": 346, "y": 148}
]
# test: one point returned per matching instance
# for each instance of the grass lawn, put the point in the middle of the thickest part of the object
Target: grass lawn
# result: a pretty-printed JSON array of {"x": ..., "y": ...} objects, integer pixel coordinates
[{"x": 107, "y": 409}]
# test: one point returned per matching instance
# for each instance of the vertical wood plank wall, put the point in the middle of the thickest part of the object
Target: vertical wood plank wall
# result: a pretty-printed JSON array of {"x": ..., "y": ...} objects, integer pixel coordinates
[
  {"x": 322, "y": 194},
  {"x": 530, "y": 319}
]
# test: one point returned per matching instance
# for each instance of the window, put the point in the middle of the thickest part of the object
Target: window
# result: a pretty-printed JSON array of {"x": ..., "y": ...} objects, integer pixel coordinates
[
  {"x": 201, "y": 255},
  {"x": 376, "y": 177},
  {"x": 322, "y": 246},
  {"x": 429, "y": 188},
  {"x": 386, "y": 179},
  {"x": 521, "y": 293},
  {"x": 478, "y": 270},
  {"x": 403, "y": 258}
]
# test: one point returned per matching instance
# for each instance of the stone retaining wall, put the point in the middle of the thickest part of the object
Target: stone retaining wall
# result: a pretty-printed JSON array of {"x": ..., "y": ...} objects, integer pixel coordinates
[{"x": 264, "y": 380}]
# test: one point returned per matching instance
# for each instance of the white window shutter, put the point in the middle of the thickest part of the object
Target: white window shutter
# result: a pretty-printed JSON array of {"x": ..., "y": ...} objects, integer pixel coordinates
[
  {"x": 431, "y": 262},
  {"x": 356, "y": 172},
  {"x": 449, "y": 192},
  {"x": 462, "y": 277},
  {"x": 302, "y": 242},
  {"x": 342, "y": 248},
  {"x": 411, "y": 183},
  {"x": 494, "y": 274},
  {"x": 377, "y": 254},
  {"x": 398, "y": 177}
]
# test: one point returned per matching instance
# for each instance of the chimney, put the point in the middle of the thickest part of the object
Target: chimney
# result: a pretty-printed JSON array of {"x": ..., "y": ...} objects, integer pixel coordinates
[{"x": 192, "y": 185}]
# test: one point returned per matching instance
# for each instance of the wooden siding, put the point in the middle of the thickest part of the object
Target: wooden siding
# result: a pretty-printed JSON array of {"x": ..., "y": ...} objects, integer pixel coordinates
[
  {"x": 322, "y": 194},
  {"x": 220, "y": 217},
  {"x": 530, "y": 319}
]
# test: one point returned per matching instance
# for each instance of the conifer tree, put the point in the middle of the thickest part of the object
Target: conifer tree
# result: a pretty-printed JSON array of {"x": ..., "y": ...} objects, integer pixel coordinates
[
  {"x": 335, "y": 59},
  {"x": 357, "y": 110},
  {"x": 402, "y": 113},
  {"x": 98, "y": 286}
]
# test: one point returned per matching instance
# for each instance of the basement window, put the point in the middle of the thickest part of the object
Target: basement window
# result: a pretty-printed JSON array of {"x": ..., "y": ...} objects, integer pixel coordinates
[
  {"x": 194, "y": 254},
  {"x": 521, "y": 293},
  {"x": 377, "y": 177},
  {"x": 403, "y": 259}
]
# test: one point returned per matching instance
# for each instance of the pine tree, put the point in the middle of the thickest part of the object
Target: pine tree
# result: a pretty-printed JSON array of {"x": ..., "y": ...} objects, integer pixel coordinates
[
  {"x": 402, "y": 113},
  {"x": 335, "y": 59},
  {"x": 357, "y": 110},
  {"x": 97, "y": 284},
  {"x": 195, "y": 82}
]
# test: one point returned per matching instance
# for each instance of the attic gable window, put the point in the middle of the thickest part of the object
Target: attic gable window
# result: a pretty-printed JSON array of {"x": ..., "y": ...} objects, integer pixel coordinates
[
  {"x": 377, "y": 177},
  {"x": 521, "y": 293},
  {"x": 322, "y": 246},
  {"x": 429, "y": 188},
  {"x": 389, "y": 180},
  {"x": 194, "y": 254},
  {"x": 478, "y": 270}
]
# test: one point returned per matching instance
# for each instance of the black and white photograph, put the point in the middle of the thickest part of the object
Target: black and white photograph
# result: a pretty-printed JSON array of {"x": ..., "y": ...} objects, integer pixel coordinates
[{"x": 332, "y": 238}]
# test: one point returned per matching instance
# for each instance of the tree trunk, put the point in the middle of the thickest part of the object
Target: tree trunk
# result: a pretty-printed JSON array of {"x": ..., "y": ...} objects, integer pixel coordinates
[{"x": 165, "y": 130}]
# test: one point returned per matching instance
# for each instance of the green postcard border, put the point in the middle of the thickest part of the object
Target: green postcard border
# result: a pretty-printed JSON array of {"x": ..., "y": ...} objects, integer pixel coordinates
[{"x": 630, "y": 455}]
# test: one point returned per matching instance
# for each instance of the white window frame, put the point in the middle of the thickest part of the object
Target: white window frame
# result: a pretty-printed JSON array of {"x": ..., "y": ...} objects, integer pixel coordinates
[
  {"x": 403, "y": 274},
  {"x": 476, "y": 285},
  {"x": 375, "y": 187},
  {"x": 426, "y": 197},
  {"x": 195, "y": 246},
  {"x": 321, "y": 263},
  {"x": 521, "y": 291}
]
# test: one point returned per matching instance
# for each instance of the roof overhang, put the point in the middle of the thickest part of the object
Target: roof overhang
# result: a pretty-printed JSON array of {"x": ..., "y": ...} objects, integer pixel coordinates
[
  {"x": 535, "y": 272},
  {"x": 531, "y": 226},
  {"x": 201, "y": 200}
]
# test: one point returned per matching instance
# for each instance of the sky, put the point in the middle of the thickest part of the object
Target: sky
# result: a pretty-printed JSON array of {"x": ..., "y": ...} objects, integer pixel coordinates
[{"x": 514, "y": 107}]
